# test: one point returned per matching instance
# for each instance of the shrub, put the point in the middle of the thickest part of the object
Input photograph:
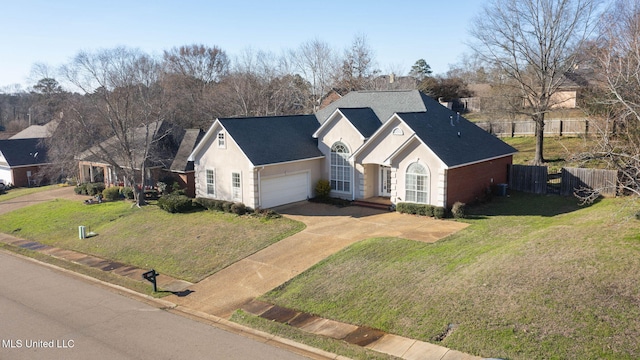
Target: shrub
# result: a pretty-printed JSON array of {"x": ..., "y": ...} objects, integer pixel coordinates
[
  {"x": 459, "y": 210},
  {"x": 226, "y": 206},
  {"x": 112, "y": 193},
  {"x": 267, "y": 214},
  {"x": 425, "y": 210},
  {"x": 127, "y": 192},
  {"x": 323, "y": 188},
  {"x": 175, "y": 203},
  {"x": 238, "y": 208},
  {"x": 80, "y": 189},
  {"x": 439, "y": 212},
  {"x": 94, "y": 188}
]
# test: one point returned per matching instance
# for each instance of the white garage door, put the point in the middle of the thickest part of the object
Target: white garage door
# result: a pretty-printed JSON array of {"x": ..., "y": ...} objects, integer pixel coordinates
[
  {"x": 5, "y": 174},
  {"x": 284, "y": 189}
]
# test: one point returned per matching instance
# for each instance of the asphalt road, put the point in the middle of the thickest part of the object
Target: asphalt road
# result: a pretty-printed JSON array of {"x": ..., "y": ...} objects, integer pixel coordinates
[{"x": 46, "y": 314}]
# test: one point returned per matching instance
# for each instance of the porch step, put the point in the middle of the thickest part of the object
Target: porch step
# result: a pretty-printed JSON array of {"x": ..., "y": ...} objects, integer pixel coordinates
[{"x": 372, "y": 205}]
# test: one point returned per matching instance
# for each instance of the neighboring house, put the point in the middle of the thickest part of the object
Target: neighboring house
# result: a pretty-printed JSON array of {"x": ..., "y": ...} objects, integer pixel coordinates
[
  {"x": 399, "y": 145},
  {"x": 181, "y": 168},
  {"x": 37, "y": 131},
  {"x": 96, "y": 165},
  {"x": 21, "y": 161}
]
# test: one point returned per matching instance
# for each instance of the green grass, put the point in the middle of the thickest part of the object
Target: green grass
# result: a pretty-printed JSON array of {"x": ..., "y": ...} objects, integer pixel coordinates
[
  {"x": 17, "y": 192},
  {"x": 534, "y": 277},
  {"x": 558, "y": 151},
  {"x": 186, "y": 246}
]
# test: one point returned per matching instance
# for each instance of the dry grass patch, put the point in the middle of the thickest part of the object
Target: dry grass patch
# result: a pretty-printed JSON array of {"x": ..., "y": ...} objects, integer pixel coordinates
[{"x": 534, "y": 277}]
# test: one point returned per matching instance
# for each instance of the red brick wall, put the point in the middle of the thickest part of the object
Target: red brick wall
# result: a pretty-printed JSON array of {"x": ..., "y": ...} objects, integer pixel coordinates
[
  {"x": 20, "y": 178},
  {"x": 466, "y": 184}
]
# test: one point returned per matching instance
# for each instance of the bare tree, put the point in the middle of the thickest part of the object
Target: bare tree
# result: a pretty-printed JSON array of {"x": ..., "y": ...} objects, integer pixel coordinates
[
  {"x": 357, "y": 68},
  {"x": 193, "y": 74},
  {"x": 125, "y": 105},
  {"x": 533, "y": 43},
  {"x": 615, "y": 111},
  {"x": 315, "y": 60}
]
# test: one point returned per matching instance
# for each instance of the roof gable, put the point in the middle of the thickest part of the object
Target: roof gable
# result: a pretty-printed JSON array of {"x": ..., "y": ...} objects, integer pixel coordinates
[
  {"x": 363, "y": 119},
  {"x": 22, "y": 152},
  {"x": 274, "y": 139},
  {"x": 190, "y": 140},
  {"x": 454, "y": 139}
]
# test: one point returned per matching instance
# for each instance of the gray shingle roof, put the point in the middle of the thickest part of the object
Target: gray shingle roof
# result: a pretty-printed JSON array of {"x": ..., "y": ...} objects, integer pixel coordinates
[
  {"x": 275, "y": 139},
  {"x": 181, "y": 162},
  {"x": 454, "y": 139},
  {"x": 364, "y": 119},
  {"x": 383, "y": 103},
  {"x": 166, "y": 141},
  {"x": 21, "y": 152},
  {"x": 37, "y": 131}
]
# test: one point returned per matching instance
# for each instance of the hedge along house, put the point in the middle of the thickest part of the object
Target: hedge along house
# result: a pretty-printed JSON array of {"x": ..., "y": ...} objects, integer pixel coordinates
[{"x": 399, "y": 145}]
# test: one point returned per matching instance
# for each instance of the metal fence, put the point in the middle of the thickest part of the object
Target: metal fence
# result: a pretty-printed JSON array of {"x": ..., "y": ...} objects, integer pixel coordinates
[
  {"x": 552, "y": 127},
  {"x": 538, "y": 180}
]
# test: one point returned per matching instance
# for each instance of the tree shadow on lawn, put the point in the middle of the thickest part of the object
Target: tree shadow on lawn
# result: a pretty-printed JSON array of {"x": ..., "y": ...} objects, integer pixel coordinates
[{"x": 524, "y": 204}]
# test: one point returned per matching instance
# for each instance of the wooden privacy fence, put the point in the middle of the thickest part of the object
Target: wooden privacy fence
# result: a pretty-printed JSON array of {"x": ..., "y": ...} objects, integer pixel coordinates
[
  {"x": 552, "y": 127},
  {"x": 537, "y": 180}
]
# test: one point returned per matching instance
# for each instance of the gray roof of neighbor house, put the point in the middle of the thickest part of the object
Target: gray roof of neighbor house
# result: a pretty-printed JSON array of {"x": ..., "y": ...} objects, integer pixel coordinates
[
  {"x": 364, "y": 120},
  {"x": 274, "y": 139},
  {"x": 166, "y": 141},
  {"x": 454, "y": 139},
  {"x": 37, "y": 131},
  {"x": 23, "y": 152},
  {"x": 383, "y": 103},
  {"x": 190, "y": 140}
]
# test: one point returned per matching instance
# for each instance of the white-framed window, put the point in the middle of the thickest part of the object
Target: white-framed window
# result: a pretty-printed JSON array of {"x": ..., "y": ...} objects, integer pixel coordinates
[
  {"x": 416, "y": 184},
  {"x": 211, "y": 182},
  {"x": 236, "y": 186},
  {"x": 221, "y": 140},
  {"x": 340, "y": 177}
]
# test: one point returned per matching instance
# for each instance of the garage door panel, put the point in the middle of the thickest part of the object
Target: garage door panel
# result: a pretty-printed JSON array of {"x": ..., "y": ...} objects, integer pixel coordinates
[{"x": 284, "y": 189}]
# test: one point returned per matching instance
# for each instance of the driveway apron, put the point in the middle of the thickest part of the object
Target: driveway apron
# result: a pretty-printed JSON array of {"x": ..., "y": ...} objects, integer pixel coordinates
[{"x": 328, "y": 230}]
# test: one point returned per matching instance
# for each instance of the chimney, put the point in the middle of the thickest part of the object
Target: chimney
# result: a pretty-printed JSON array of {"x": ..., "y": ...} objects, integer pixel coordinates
[{"x": 392, "y": 78}]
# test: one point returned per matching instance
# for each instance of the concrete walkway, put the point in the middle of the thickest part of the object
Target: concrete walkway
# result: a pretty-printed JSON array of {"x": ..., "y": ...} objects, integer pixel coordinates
[{"x": 328, "y": 230}]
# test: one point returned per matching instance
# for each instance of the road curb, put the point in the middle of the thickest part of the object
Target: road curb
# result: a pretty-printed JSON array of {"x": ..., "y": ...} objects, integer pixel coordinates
[{"x": 212, "y": 320}]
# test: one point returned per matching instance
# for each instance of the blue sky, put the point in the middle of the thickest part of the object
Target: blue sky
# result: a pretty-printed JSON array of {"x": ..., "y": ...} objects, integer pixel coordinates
[{"x": 400, "y": 31}]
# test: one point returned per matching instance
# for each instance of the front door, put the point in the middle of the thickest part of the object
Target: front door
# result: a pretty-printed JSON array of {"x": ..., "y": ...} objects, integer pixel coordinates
[{"x": 385, "y": 181}]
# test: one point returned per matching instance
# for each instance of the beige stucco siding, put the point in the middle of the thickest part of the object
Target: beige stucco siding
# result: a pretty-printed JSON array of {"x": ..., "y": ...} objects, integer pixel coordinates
[
  {"x": 224, "y": 162},
  {"x": 382, "y": 145},
  {"x": 340, "y": 129},
  {"x": 415, "y": 151}
]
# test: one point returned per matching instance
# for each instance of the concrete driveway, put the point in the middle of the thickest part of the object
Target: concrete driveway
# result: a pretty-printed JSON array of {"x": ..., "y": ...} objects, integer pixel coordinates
[{"x": 329, "y": 229}]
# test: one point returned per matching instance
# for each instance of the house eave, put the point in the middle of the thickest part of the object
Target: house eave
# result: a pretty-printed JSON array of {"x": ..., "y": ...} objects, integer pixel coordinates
[
  {"x": 288, "y": 162},
  {"x": 479, "y": 161}
]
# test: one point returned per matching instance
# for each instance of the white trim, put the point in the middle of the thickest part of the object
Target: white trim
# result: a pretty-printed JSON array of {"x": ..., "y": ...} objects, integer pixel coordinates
[
  {"x": 290, "y": 162},
  {"x": 406, "y": 143},
  {"x": 239, "y": 188},
  {"x": 480, "y": 161},
  {"x": 377, "y": 133},
  {"x": 205, "y": 139}
]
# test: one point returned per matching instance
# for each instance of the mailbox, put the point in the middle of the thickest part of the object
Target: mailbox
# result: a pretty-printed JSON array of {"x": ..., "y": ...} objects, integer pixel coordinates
[{"x": 151, "y": 277}]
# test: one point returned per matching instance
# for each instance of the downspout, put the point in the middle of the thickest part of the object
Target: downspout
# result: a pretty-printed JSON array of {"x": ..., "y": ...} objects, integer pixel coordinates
[{"x": 259, "y": 188}]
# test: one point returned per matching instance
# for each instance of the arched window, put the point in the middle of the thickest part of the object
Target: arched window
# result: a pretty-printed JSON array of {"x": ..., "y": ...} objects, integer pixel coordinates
[
  {"x": 340, "y": 176},
  {"x": 417, "y": 184}
]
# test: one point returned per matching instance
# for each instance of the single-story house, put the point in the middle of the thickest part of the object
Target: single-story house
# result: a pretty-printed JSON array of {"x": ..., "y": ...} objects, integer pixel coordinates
[
  {"x": 399, "y": 145},
  {"x": 21, "y": 161},
  {"x": 171, "y": 148}
]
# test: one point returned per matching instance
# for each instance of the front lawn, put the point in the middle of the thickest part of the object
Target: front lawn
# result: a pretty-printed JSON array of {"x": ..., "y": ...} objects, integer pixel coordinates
[
  {"x": 186, "y": 246},
  {"x": 534, "y": 277}
]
